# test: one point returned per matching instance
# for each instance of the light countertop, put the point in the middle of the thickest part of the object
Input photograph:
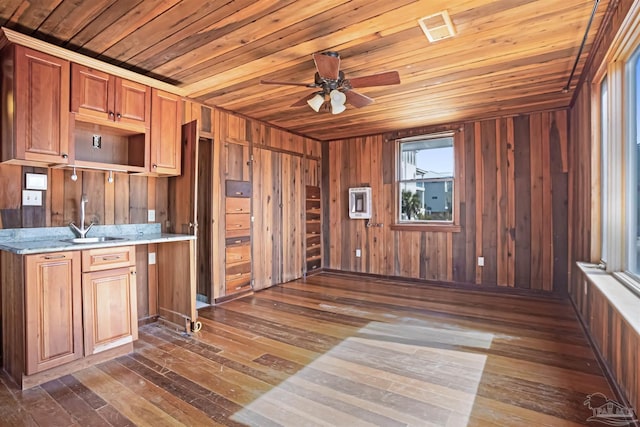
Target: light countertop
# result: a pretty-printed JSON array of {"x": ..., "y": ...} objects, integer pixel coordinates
[{"x": 25, "y": 241}]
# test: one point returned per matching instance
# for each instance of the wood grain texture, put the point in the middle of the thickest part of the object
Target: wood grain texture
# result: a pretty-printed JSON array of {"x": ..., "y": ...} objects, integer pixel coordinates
[
  {"x": 219, "y": 52},
  {"x": 338, "y": 350},
  {"x": 497, "y": 216}
]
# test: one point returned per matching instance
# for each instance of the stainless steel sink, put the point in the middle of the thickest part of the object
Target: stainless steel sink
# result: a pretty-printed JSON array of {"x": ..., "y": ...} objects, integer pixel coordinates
[{"x": 101, "y": 239}]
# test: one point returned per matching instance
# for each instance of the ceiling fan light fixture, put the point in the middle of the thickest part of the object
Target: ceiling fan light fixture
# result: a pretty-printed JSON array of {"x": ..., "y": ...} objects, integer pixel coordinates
[
  {"x": 337, "y": 97},
  {"x": 337, "y": 108},
  {"x": 316, "y": 102}
]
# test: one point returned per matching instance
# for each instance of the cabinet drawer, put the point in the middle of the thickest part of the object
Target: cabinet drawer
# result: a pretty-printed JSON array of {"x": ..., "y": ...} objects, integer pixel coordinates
[
  {"x": 106, "y": 258},
  {"x": 232, "y": 241},
  {"x": 238, "y": 269},
  {"x": 235, "y": 205},
  {"x": 238, "y": 222},
  {"x": 237, "y": 188},
  {"x": 238, "y": 284},
  {"x": 239, "y": 253}
]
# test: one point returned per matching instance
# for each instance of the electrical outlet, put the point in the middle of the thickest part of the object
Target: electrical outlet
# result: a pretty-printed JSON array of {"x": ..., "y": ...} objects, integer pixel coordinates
[
  {"x": 31, "y": 198},
  {"x": 358, "y": 253},
  {"x": 152, "y": 258},
  {"x": 151, "y": 217},
  {"x": 480, "y": 261}
]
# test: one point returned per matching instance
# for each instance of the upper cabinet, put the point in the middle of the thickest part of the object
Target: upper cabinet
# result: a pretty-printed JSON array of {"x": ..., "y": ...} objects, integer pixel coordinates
[
  {"x": 35, "y": 107},
  {"x": 104, "y": 98},
  {"x": 166, "y": 118},
  {"x": 58, "y": 113}
]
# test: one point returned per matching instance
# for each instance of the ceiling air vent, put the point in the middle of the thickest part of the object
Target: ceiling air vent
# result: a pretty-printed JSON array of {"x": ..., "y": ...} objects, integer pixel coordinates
[{"x": 437, "y": 26}]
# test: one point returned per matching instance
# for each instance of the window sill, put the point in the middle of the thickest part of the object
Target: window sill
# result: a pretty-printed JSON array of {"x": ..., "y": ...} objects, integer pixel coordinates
[
  {"x": 436, "y": 228},
  {"x": 619, "y": 295}
]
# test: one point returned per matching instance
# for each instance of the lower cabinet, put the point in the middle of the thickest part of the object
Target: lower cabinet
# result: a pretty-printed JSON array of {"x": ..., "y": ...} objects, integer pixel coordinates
[
  {"x": 60, "y": 308},
  {"x": 109, "y": 298},
  {"x": 53, "y": 310}
]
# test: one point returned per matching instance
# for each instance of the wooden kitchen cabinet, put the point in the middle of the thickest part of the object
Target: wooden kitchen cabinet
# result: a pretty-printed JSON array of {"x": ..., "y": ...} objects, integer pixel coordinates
[
  {"x": 237, "y": 236},
  {"x": 166, "y": 130},
  {"x": 35, "y": 107},
  {"x": 109, "y": 99},
  {"x": 53, "y": 310},
  {"x": 109, "y": 298}
]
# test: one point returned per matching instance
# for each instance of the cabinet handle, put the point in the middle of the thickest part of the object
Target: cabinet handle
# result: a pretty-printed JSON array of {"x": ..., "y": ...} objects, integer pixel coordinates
[
  {"x": 155, "y": 166},
  {"x": 238, "y": 193},
  {"x": 65, "y": 156},
  {"x": 238, "y": 241},
  {"x": 111, "y": 258},
  {"x": 133, "y": 273},
  {"x": 55, "y": 256},
  {"x": 238, "y": 209},
  {"x": 119, "y": 116},
  {"x": 110, "y": 113}
]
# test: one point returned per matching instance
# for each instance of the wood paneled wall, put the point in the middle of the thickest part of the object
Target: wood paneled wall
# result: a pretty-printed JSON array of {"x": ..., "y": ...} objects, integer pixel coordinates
[
  {"x": 512, "y": 187},
  {"x": 125, "y": 201},
  {"x": 279, "y": 164},
  {"x": 616, "y": 341}
]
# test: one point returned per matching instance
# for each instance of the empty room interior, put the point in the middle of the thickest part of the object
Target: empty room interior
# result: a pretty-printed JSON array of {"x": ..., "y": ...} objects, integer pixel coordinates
[{"x": 319, "y": 213}]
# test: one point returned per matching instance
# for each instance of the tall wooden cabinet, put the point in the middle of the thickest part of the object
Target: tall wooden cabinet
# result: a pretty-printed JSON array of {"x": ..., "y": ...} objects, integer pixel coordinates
[
  {"x": 34, "y": 107},
  {"x": 53, "y": 310},
  {"x": 237, "y": 236},
  {"x": 166, "y": 153}
]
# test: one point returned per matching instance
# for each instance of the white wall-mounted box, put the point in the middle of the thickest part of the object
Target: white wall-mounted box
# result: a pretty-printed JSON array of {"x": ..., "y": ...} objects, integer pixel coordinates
[
  {"x": 36, "y": 181},
  {"x": 360, "y": 203}
]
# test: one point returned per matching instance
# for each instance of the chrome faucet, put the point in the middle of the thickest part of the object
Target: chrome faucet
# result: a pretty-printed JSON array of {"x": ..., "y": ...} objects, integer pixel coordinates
[{"x": 81, "y": 232}]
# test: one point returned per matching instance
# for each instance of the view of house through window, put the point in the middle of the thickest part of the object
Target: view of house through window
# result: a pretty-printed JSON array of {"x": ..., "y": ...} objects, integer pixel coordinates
[{"x": 426, "y": 179}]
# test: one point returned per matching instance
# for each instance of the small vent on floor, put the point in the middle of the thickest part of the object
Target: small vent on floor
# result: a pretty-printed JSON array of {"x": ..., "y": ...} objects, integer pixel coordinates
[{"x": 437, "y": 26}]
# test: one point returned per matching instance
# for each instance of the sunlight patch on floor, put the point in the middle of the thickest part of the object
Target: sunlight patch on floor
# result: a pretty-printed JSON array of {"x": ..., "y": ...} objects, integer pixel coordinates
[{"x": 412, "y": 373}]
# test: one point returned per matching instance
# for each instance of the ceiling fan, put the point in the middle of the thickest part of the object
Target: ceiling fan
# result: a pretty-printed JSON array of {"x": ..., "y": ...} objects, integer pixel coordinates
[{"x": 334, "y": 86}]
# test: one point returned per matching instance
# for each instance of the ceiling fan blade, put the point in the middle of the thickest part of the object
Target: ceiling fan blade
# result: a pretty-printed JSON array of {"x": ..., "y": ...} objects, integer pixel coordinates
[
  {"x": 357, "y": 99},
  {"x": 328, "y": 65},
  {"x": 303, "y": 101},
  {"x": 274, "y": 82},
  {"x": 382, "y": 79}
]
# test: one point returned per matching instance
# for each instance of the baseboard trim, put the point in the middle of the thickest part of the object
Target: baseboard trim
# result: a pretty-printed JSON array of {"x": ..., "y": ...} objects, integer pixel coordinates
[
  {"x": 455, "y": 285},
  {"x": 606, "y": 369}
]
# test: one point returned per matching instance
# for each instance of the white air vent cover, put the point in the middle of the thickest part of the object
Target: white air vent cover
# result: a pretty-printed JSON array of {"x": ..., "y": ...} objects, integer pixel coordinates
[{"x": 437, "y": 26}]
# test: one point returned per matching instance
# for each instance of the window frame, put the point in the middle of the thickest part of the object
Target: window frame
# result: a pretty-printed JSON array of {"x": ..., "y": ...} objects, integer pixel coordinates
[
  {"x": 430, "y": 225},
  {"x": 609, "y": 221}
]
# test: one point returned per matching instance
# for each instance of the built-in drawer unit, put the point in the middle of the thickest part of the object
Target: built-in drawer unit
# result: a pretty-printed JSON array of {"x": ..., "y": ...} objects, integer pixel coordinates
[{"x": 237, "y": 236}]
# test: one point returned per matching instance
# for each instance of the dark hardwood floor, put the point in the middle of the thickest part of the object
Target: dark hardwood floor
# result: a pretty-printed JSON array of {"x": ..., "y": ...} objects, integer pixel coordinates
[{"x": 338, "y": 350}]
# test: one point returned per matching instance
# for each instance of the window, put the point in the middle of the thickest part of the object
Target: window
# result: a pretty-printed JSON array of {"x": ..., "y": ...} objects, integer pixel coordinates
[
  {"x": 632, "y": 183},
  {"x": 426, "y": 179},
  {"x": 604, "y": 120},
  {"x": 617, "y": 100}
]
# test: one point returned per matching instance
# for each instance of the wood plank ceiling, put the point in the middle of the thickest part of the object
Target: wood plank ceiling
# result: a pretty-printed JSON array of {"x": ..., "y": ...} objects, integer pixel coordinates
[{"x": 507, "y": 57}]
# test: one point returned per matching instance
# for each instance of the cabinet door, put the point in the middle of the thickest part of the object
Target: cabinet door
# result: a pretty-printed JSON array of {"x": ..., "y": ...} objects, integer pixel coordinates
[
  {"x": 91, "y": 92},
  {"x": 166, "y": 119},
  {"x": 41, "y": 107},
  {"x": 132, "y": 102},
  {"x": 110, "y": 309},
  {"x": 53, "y": 307}
]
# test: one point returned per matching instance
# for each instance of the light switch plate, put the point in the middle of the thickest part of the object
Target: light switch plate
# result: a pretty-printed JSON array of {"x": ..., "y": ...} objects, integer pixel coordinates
[
  {"x": 152, "y": 258},
  {"x": 151, "y": 216},
  {"x": 31, "y": 198}
]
